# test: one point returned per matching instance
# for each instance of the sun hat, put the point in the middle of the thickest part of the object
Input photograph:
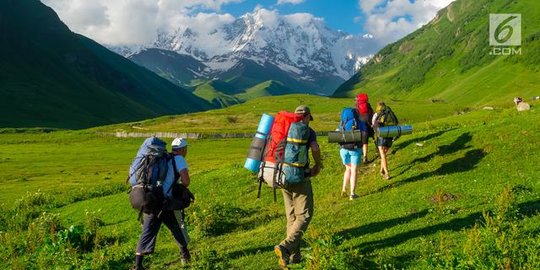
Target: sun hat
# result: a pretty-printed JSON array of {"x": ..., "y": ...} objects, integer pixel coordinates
[{"x": 304, "y": 110}]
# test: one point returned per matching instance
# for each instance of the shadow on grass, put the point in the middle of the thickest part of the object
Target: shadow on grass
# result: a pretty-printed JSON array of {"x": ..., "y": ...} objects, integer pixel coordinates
[
  {"x": 250, "y": 252},
  {"x": 381, "y": 225},
  {"x": 459, "y": 144},
  {"x": 421, "y": 139},
  {"x": 466, "y": 163},
  {"x": 526, "y": 209}
]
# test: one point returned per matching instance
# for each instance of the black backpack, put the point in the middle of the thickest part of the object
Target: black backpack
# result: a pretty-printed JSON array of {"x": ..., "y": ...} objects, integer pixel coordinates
[
  {"x": 387, "y": 117},
  {"x": 147, "y": 172},
  {"x": 181, "y": 196}
]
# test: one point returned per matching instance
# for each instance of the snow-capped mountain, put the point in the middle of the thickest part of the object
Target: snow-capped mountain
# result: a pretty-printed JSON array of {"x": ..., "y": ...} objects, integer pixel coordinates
[{"x": 300, "y": 45}]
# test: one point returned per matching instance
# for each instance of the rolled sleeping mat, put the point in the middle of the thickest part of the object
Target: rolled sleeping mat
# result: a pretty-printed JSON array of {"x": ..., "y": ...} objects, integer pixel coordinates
[
  {"x": 256, "y": 150},
  {"x": 394, "y": 131},
  {"x": 345, "y": 136}
]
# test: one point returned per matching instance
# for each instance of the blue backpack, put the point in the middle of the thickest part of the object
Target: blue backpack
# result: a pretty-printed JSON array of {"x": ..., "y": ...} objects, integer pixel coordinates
[
  {"x": 295, "y": 154},
  {"x": 147, "y": 172},
  {"x": 350, "y": 121}
]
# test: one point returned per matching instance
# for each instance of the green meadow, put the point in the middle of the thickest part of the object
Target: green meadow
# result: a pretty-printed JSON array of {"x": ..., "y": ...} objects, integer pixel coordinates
[
  {"x": 464, "y": 194},
  {"x": 245, "y": 117}
]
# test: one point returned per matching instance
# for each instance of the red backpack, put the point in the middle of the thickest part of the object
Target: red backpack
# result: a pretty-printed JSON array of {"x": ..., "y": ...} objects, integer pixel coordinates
[
  {"x": 278, "y": 136},
  {"x": 364, "y": 108}
]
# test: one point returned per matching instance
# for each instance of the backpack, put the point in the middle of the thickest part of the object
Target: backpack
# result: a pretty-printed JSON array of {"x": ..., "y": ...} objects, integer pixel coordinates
[
  {"x": 278, "y": 136},
  {"x": 296, "y": 153},
  {"x": 387, "y": 117},
  {"x": 147, "y": 172},
  {"x": 180, "y": 196},
  {"x": 350, "y": 121},
  {"x": 364, "y": 108},
  {"x": 276, "y": 149}
]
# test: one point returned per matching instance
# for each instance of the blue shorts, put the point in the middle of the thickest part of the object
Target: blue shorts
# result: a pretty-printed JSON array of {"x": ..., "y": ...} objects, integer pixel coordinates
[{"x": 351, "y": 156}]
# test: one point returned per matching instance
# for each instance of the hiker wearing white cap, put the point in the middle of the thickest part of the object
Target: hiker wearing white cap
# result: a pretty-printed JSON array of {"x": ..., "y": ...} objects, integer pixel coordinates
[{"x": 173, "y": 219}]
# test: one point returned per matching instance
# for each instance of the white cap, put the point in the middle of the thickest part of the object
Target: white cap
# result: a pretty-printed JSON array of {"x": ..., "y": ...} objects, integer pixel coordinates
[{"x": 179, "y": 143}]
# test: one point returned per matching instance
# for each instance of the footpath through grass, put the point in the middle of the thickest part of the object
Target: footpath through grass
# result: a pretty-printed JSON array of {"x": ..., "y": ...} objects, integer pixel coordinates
[{"x": 444, "y": 177}]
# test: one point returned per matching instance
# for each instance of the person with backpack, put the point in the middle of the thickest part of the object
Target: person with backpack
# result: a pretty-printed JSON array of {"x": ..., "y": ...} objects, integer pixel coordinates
[
  {"x": 384, "y": 116},
  {"x": 351, "y": 153},
  {"x": 366, "y": 115},
  {"x": 177, "y": 169},
  {"x": 298, "y": 199}
]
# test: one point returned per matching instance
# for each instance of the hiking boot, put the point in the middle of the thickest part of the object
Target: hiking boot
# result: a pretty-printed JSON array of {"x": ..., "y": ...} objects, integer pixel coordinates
[
  {"x": 353, "y": 197},
  {"x": 364, "y": 160},
  {"x": 295, "y": 258},
  {"x": 185, "y": 257},
  {"x": 283, "y": 255}
]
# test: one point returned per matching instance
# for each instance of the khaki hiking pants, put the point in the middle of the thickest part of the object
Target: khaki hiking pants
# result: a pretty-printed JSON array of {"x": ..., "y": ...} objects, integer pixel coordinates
[{"x": 298, "y": 201}]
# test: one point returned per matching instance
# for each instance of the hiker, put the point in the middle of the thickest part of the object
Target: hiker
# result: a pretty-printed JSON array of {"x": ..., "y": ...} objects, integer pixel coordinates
[
  {"x": 151, "y": 222},
  {"x": 298, "y": 200},
  {"x": 351, "y": 152},
  {"x": 384, "y": 116},
  {"x": 366, "y": 114}
]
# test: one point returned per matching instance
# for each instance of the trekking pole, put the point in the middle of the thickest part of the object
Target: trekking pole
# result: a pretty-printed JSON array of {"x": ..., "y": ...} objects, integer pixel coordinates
[{"x": 259, "y": 191}]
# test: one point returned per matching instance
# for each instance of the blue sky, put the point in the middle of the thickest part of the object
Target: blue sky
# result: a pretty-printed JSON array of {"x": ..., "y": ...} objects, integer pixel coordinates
[
  {"x": 338, "y": 16},
  {"x": 133, "y": 22}
]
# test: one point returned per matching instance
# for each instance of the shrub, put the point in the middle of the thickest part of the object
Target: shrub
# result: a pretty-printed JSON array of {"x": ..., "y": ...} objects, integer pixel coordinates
[
  {"x": 325, "y": 253},
  {"x": 499, "y": 242},
  {"x": 215, "y": 219},
  {"x": 26, "y": 209},
  {"x": 206, "y": 258}
]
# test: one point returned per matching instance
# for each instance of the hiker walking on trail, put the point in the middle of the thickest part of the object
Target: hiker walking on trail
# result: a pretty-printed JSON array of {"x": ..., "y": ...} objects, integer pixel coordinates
[
  {"x": 366, "y": 114},
  {"x": 351, "y": 152},
  {"x": 151, "y": 222},
  {"x": 384, "y": 116},
  {"x": 298, "y": 200}
]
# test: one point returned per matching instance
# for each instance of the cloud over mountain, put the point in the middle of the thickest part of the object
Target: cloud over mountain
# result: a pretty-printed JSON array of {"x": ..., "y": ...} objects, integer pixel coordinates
[
  {"x": 390, "y": 20},
  {"x": 132, "y": 22}
]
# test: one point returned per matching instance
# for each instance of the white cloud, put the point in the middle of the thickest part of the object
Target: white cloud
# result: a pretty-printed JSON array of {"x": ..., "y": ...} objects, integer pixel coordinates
[
  {"x": 130, "y": 22},
  {"x": 294, "y": 2},
  {"x": 301, "y": 19},
  {"x": 390, "y": 20}
]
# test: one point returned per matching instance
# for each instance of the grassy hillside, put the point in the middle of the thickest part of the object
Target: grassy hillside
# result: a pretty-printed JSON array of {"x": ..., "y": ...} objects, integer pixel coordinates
[
  {"x": 443, "y": 177},
  {"x": 449, "y": 59},
  {"x": 215, "y": 93},
  {"x": 223, "y": 94},
  {"x": 52, "y": 77}
]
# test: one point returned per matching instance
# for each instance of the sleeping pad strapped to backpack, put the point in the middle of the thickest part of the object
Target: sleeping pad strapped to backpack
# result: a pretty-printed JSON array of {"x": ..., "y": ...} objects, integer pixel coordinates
[{"x": 350, "y": 122}]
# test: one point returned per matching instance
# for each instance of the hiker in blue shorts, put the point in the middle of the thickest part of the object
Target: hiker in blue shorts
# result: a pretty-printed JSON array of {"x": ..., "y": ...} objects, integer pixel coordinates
[{"x": 351, "y": 153}]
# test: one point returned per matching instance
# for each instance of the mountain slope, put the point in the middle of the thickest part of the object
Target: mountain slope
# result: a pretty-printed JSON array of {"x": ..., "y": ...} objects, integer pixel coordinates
[
  {"x": 223, "y": 94},
  {"x": 181, "y": 69},
  {"x": 52, "y": 77},
  {"x": 449, "y": 59}
]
